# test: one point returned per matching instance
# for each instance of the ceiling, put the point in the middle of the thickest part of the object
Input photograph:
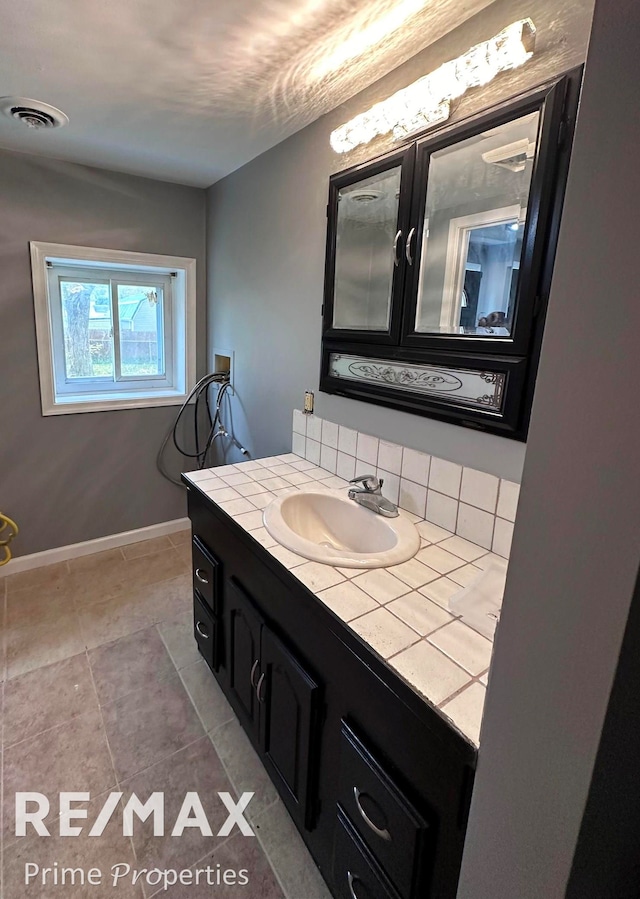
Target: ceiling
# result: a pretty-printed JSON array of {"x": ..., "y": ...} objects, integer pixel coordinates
[{"x": 189, "y": 92}]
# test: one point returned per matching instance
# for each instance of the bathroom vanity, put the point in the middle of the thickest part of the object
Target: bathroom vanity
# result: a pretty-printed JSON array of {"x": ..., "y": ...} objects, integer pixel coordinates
[{"x": 377, "y": 780}]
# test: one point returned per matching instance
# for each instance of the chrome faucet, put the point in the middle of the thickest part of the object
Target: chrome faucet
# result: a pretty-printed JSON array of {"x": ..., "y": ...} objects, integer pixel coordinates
[{"x": 370, "y": 495}]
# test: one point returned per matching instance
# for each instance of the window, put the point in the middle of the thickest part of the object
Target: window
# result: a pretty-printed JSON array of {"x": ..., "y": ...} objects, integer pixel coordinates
[{"x": 114, "y": 329}]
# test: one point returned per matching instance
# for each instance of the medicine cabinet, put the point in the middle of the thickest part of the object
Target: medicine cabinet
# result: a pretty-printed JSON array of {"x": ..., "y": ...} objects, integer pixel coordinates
[{"x": 439, "y": 260}]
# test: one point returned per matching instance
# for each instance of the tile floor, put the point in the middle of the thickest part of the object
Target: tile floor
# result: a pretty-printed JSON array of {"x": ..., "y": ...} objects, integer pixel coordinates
[{"x": 102, "y": 689}]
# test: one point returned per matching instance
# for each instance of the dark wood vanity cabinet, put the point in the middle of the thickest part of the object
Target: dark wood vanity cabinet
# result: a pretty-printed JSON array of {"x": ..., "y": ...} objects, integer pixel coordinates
[{"x": 376, "y": 781}]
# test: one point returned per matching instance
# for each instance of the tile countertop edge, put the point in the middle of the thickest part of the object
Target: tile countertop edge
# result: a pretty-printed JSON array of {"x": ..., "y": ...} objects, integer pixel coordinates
[{"x": 249, "y": 486}]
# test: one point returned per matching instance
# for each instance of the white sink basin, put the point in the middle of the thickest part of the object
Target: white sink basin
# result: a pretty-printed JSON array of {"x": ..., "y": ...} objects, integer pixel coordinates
[{"x": 331, "y": 528}]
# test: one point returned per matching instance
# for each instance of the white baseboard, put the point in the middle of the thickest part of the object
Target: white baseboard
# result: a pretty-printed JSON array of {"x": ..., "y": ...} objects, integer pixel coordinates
[{"x": 74, "y": 550}]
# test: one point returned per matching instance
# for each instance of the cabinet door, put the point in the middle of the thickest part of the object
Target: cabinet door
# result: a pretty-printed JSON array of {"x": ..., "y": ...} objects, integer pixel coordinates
[
  {"x": 243, "y": 627},
  {"x": 480, "y": 212},
  {"x": 289, "y": 726},
  {"x": 368, "y": 213}
]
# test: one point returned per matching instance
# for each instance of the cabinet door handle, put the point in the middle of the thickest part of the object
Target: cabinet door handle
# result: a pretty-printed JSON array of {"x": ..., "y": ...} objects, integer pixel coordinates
[
  {"x": 201, "y": 576},
  {"x": 259, "y": 687},
  {"x": 407, "y": 246},
  {"x": 396, "y": 258},
  {"x": 383, "y": 834},
  {"x": 253, "y": 673},
  {"x": 201, "y": 630},
  {"x": 350, "y": 881}
]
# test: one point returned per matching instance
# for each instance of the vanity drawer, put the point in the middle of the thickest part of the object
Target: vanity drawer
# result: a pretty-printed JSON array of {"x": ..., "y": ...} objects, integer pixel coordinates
[
  {"x": 396, "y": 833},
  {"x": 205, "y": 631},
  {"x": 206, "y": 572},
  {"x": 355, "y": 873}
]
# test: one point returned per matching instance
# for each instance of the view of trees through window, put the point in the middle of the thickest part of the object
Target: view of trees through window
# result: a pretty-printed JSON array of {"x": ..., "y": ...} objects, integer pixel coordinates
[{"x": 90, "y": 332}]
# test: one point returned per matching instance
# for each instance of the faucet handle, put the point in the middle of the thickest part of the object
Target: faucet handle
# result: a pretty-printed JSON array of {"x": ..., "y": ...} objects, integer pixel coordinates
[{"x": 369, "y": 481}]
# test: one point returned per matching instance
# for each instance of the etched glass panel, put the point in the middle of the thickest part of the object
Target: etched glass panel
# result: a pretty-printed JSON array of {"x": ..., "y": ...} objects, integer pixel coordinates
[
  {"x": 365, "y": 233},
  {"x": 476, "y": 208},
  {"x": 464, "y": 387}
]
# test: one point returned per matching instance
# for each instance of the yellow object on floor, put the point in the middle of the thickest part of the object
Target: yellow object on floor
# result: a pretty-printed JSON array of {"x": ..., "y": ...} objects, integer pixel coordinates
[{"x": 8, "y": 530}]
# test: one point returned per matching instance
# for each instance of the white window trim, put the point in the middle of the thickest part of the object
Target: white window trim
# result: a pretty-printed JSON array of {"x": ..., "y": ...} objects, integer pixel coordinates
[{"x": 184, "y": 326}]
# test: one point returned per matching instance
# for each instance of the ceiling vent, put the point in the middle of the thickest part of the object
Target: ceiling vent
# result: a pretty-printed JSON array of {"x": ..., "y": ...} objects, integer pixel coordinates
[
  {"x": 33, "y": 113},
  {"x": 365, "y": 196}
]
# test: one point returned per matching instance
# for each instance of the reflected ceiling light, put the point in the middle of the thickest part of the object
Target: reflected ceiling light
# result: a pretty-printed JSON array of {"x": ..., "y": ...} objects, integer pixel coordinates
[
  {"x": 368, "y": 37},
  {"x": 427, "y": 102}
]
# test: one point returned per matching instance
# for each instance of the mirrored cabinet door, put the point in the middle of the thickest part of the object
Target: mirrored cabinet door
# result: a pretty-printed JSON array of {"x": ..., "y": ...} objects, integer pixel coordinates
[
  {"x": 366, "y": 259},
  {"x": 475, "y": 214}
]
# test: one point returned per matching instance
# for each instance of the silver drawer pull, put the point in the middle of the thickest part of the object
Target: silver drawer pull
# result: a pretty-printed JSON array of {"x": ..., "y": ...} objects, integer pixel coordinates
[
  {"x": 350, "y": 881},
  {"x": 259, "y": 688},
  {"x": 253, "y": 673},
  {"x": 383, "y": 834},
  {"x": 200, "y": 575},
  {"x": 201, "y": 630}
]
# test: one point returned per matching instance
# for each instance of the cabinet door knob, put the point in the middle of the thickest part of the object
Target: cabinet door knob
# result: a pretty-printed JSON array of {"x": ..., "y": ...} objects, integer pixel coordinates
[
  {"x": 350, "y": 881},
  {"x": 383, "y": 834},
  {"x": 201, "y": 630},
  {"x": 396, "y": 258},
  {"x": 407, "y": 246},
  {"x": 253, "y": 673},
  {"x": 259, "y": 694},
  {"x": 201, "y": 576}
]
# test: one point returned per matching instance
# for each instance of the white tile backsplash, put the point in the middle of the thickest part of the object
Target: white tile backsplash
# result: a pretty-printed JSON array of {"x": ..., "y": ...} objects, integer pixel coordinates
[
  {"x": 413, "y": 497},
  {"x": 297, "y": 443},
  {"x": 329, "y": 434},
  {"x": 442, "y": 510},
  {"x": 477, "y": 506},
  {"x": 508, "y": 500},
  {"x": 415, "y": 466},
  {"x": 367, "y": 449},
  {"x": 329, "y": 457},
  {"x": 312, "y": 451},
  {"x": 299, "y": 422},
  {"x": 502, "y": 535},
  {"x": 390, "y": 457},
  {"x": 479, "y": 489},
  {"x": 391, "y": 486},
  {"x": 314, "y": 427},
  {"x": 347, "y": 440},
  {"x": 346, "y": 467},
  {"x": 445, "y": 477},
  {"x": 475, "y": 525}
]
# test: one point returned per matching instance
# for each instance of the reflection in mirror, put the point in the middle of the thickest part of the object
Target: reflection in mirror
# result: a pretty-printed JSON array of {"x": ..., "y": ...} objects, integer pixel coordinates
[
  {"x": 476, "y": 208},
  {"x": 366, "y": 228}
]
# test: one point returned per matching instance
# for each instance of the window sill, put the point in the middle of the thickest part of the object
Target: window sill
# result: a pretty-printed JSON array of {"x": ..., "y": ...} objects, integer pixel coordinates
[{"x": 110, "y": 402}]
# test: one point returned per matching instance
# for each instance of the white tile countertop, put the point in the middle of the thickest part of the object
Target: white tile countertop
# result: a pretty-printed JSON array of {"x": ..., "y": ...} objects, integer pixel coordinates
[{"x": 401, "y": 612}]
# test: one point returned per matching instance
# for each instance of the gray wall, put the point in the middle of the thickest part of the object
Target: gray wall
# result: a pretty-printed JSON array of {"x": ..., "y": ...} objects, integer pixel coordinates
[
  {"x": 576, "y": 552},
  {"x": 69, "y": 478},
  {"x": 266, "y": 245}
]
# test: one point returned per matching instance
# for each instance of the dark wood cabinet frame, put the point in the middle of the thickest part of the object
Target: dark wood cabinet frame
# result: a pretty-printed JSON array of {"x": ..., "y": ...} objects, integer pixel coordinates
[{"x": 517, "y": 356}]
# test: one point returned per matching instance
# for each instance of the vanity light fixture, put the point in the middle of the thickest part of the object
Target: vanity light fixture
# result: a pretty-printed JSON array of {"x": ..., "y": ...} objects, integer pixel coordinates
[{"x": 427, "y": 102}]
